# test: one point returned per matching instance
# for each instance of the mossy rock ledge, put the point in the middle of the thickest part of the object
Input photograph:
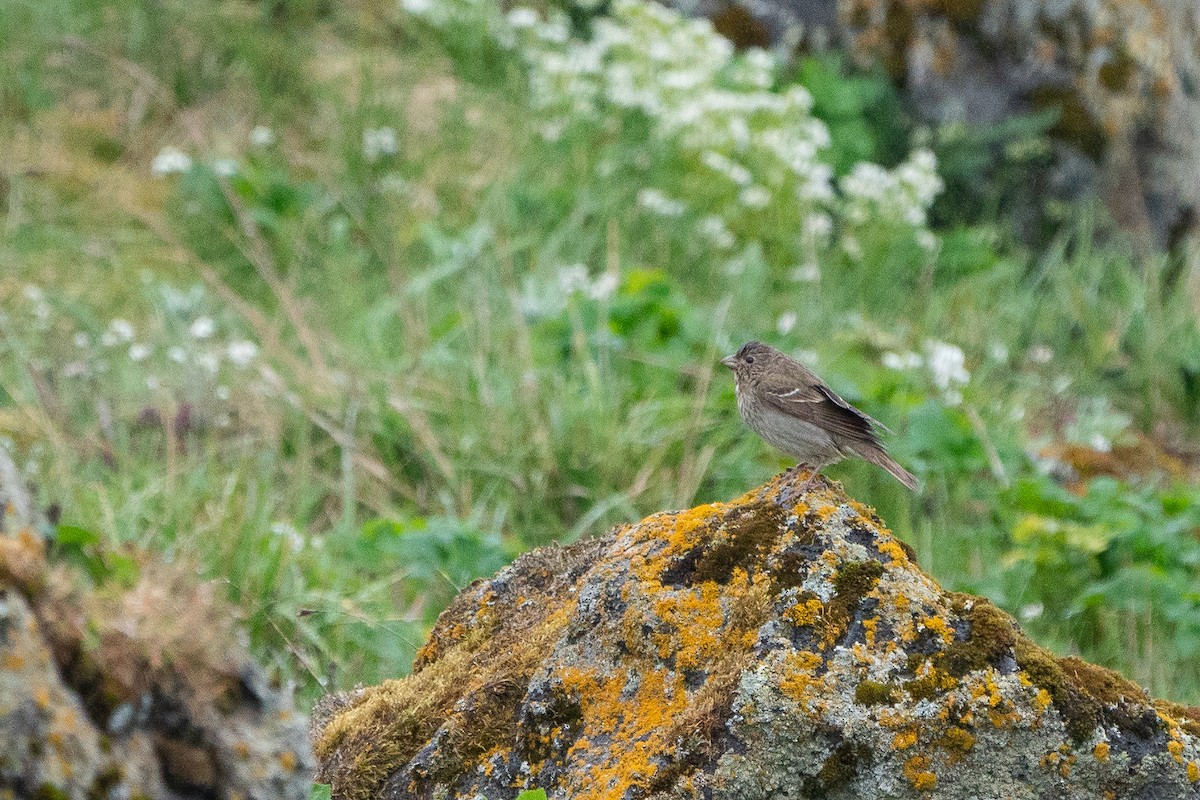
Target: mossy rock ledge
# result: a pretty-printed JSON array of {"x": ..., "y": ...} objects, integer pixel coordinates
[{"x": 782, "y": 645}]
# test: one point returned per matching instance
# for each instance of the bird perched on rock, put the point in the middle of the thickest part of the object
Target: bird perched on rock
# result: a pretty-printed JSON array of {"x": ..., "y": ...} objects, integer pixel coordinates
[{"x": 785, "y": 403}]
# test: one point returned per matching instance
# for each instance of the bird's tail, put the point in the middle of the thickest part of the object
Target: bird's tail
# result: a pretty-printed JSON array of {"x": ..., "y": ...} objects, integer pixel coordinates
[{"x": 881, "y": 459}]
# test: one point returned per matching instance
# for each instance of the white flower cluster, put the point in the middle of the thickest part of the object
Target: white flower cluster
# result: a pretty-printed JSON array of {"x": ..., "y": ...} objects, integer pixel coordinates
[
  {"x": 755, "y": 151},
  {"x": 756, "y": 147},
  {"x": 688, "y": 80},
  {"x": 945, "y": 362},
  {"x": 902, "y": 195},
  {"x": 542, "y": 299}
]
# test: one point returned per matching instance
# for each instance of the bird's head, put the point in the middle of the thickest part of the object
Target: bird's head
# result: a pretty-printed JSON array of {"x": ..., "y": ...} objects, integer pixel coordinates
[{"x": 750, "y": 360}]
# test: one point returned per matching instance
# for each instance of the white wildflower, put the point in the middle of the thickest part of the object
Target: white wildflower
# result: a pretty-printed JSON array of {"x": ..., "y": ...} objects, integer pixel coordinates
[
  {"x": 82, "y": 340},
  {"x": 716, "y": 231},
  {"x": 901, "y": 361},
  {"x": 379, "y": 142},
  {"x": 947, "y": 366},
  {"x": 152, "y": 382},
  {"x": 262, "y": 136},
  {"x": 170, "y": 160},
  {"x": 119, "y": 330},
  {"x": 603, "y": 287},
  {"x": 1040, "y": 354},
  {"x": 242, "y": 352},
  {"x": 656, "y": 202},
  {"x": 522, "y": 17},
  {"x": 177, "y": 354},
  {"x": 1031, "y": 611},
  {"x": 225, "y": 167},
  {"x": 809, "y": 272},
  {"x": 418, "y": 7},
  {"x": 573, "y": 278},
  {"x": 754, "y": 197},
  {"x": 202, "y": 328},
  {"x": 139, "y": 352},
  {"x": 210, "y": 362},
  {"x": 786, "y": 322},
  {"x": 222, "y": 392}
]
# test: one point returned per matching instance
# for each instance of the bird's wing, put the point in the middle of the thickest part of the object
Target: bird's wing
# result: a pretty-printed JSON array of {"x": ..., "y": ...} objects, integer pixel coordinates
[{"x": 806, "y": 397}]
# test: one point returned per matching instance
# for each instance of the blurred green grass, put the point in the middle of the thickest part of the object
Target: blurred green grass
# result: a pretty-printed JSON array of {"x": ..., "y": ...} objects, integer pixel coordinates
[{"x": 378, "y": 334}]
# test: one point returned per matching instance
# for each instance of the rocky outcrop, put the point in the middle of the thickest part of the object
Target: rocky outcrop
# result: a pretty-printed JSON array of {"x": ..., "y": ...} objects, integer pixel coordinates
[
  {"x": 141, "y": 692},
  {"x": 780, "y": 645},
  {"x": 1124, "y": 75}
]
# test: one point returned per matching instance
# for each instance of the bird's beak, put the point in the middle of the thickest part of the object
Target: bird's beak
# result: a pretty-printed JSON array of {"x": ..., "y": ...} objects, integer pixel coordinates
[{"x": 730, "y": 361}]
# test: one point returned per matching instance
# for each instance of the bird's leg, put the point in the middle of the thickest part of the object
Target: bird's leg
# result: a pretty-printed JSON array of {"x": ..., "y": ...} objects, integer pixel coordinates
[{"x": 812, "y": 476}]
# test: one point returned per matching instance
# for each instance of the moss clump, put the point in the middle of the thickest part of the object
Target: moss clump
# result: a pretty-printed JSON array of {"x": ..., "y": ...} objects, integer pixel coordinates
[
  {"x": 1188, "y": 717},
  {"x": 839, "y": 769},
  {"x": 739, "y": 26},
  {"x": 1117, "y": 74},
  {"x": 873, "y": 693},
  {"x": 992, "y": 636},
  {"x": 1084, "y": 693},
  {"x": 743, "y": 540},
  {"x": 933, "y": 683},
  {"x": 960, "y": 11},
  {"x": 48, "y": 791},
  {"x": 1076, "y": 124}
]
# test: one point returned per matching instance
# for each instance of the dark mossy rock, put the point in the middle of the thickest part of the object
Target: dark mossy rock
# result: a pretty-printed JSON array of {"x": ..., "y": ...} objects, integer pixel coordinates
[
  {"x": 136, "y": 693},
  {"x": 780, "y": 645}
]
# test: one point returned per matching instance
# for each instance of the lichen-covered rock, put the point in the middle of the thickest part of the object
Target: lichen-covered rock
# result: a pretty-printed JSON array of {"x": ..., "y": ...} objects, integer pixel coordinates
[
  {"x": 135, "y": 693},
  {"x": 1125, "y": 75},
  {"x": 781, "y": 645}
]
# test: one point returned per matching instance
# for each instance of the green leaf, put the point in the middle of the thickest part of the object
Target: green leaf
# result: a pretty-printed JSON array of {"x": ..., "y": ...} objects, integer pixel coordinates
[
  {"x": 532, "y": 794},
  {"x": 75, "y": 536},
  {"x": 320, "y": 791}
]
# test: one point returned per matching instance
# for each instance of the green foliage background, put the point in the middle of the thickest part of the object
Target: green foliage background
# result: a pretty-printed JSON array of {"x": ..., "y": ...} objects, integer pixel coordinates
[{"x": 345, "y": 375}]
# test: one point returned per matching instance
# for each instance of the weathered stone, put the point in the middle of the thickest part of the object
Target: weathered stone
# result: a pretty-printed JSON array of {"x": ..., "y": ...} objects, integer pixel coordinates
[
  {"x": 781, "y": 645},
  {"x": 141, "y": 693}
]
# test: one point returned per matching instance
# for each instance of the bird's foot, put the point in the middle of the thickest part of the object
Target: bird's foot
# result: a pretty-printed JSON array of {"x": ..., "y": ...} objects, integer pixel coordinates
[{"x": 812, "y": 477}]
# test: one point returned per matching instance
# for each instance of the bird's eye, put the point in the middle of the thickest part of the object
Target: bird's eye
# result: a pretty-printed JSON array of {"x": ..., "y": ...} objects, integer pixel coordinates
[{"x": 749, "y": 359}]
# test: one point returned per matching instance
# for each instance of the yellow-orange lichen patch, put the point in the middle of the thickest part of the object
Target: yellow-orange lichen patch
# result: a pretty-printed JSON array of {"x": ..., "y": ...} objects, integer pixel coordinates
[
  {"x": 904, "y": 739},
  {"x": 940, "y": 626},
  {"x": 1175, "y": 748},
  {"x": 893, "y": 550},
  {"x": 1101, "y": 751},
  {"x": 695, "y": 618},
  {"x": 634, "y": 715},
  {"x": 1193, "y": 772},
  {"x": 917, "y": 771},
  {"x": 806, "y": 612},
  {"x": 800, "y": 674}
]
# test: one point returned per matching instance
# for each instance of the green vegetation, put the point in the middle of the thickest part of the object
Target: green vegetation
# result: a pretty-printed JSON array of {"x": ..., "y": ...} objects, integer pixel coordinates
[{"x": 348, "y": 304}]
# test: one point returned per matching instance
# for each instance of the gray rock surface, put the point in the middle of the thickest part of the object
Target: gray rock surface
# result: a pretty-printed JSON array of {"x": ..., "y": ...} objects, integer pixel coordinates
[
  {"x": 777, "y": 646},
  {"x": 137, "y": 693}
]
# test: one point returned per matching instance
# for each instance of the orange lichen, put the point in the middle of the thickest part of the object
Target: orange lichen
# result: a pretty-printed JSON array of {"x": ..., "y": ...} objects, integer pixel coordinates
[
  {"x": 1193, "y": 771},
  {"x": 904, "y": 739},
  {"x": 892, "y": 548},
  {"x": 1175, "y": 748},
  {"x": 916, "y": 770},
  {"x": 940, "y": 626},
  {"x": 287, "y": 760},
  {"x": 1101, "y": 751},
  {"x": 800, "y": 674},
  {"x": 806, "y": 612}
]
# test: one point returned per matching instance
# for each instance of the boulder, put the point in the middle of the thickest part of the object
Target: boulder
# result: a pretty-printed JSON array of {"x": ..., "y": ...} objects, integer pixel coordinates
[
  {"x": 136, "y": 692},
  {"x": 779, "y": 645},
  {"x": 1124, "y": 75}
]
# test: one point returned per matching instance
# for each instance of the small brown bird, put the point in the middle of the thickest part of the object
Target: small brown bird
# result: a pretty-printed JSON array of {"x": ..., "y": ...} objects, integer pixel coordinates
[{"x": 789, "y": 406}]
